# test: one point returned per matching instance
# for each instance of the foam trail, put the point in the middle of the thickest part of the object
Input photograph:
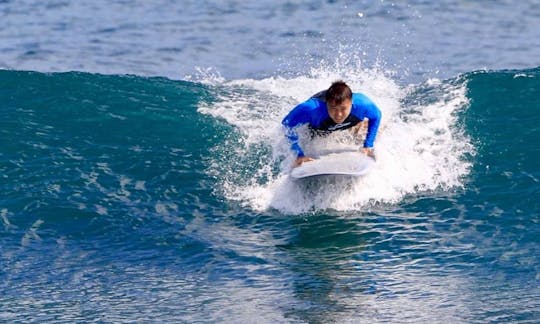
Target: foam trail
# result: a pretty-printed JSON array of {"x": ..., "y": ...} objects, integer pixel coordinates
[{"x": 420, "y": 145}]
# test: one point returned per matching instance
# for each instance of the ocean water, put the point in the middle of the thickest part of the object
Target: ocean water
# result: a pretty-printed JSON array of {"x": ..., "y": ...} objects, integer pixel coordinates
[
  {"x": 143, "y": 169},
  {"x": 416, "y": 39}
]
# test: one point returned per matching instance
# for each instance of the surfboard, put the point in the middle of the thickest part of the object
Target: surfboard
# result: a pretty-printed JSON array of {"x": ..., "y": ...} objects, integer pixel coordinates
[{"x": 344, "y": 163}]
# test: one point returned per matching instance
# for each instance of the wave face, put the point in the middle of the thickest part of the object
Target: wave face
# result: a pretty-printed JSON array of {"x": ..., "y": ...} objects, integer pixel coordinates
[{"x": 126, "y": 197}]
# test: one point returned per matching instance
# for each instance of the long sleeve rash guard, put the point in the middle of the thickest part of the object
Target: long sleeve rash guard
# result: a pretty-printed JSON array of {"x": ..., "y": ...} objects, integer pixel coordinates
[{"x": 314, "y": 112}]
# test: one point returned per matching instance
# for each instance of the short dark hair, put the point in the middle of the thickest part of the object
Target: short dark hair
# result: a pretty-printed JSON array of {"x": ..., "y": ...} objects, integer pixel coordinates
[{"x": 338, "y": 92}]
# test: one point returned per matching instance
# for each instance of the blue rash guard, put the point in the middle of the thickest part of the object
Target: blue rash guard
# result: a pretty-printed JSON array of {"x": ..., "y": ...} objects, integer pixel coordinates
[{"x": 314, "y": 112}]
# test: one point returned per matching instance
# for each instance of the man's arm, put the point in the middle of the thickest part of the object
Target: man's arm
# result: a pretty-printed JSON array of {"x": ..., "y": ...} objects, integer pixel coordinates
[
  {"x": 372, "y": 112},
  {"x": 293, "y": 138},
  {"x": 296, "y": 117},
  {"x": 374, "y": 119}
]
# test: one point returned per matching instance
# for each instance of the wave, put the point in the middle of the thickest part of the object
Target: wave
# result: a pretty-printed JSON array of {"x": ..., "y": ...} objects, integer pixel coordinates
[
  {"x": 107, "y": 144},
  {"x": 96, "y": 151}
]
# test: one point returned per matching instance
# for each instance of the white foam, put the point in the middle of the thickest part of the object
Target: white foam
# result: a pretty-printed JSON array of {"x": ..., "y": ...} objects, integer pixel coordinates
[
  {"x": 100, "y": 209},
  {"x": 5, "y": 220},
  {"x": 140, "y": 185},
  {"x": 31, "y": 235},
  {"x": 418, "y": 148}
]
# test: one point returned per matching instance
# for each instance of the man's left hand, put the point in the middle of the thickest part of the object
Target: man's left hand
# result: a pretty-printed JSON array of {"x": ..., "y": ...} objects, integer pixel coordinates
[{"x": 369, "y": 152}]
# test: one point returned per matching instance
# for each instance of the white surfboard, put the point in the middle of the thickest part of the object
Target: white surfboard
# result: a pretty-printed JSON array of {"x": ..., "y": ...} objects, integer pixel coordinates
[{"x": 344, "y": 163}]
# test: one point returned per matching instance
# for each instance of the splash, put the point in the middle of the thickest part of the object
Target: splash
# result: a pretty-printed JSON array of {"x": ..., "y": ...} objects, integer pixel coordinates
[{"x": 420, "y": 146}]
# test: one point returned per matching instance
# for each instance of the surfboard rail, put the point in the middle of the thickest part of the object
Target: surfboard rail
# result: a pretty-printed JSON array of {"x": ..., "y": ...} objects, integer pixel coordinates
[{"x": 342, "y": 163}]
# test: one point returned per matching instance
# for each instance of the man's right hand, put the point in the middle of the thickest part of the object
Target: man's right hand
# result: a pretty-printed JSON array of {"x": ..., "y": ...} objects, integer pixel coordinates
[{"x": 302, "y": 159}]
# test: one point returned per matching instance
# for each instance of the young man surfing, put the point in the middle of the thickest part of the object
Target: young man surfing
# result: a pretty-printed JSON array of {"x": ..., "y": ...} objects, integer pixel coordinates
[{"x": 332, "y": 110}]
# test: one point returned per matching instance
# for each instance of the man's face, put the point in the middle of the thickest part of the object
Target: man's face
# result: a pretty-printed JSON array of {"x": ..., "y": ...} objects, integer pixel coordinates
[{"x": 339, "y": 112}]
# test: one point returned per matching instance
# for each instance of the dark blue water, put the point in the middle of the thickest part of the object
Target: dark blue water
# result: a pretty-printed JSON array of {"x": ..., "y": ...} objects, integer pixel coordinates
[
  {"x": 134, "y": 198},
  {"x": 415, "y": 39}
]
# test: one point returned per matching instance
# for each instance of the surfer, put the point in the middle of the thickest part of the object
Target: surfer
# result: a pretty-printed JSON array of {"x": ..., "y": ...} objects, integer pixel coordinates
[{"x": 336, "y": 108}]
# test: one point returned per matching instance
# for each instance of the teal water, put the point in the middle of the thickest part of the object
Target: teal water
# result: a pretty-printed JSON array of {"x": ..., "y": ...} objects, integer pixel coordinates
[{"x": 127, "y": 198}]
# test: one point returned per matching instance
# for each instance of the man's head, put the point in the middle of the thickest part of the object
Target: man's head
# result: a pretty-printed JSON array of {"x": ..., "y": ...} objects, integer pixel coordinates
[{"x": 339, "y": 101}]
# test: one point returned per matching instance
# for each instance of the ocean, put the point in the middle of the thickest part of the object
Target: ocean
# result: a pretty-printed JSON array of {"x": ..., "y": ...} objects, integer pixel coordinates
[{"x": 144, "y": 170}]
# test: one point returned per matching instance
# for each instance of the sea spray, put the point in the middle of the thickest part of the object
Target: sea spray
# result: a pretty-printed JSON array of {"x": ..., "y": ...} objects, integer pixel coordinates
[{"x": 420, "y": 146}]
